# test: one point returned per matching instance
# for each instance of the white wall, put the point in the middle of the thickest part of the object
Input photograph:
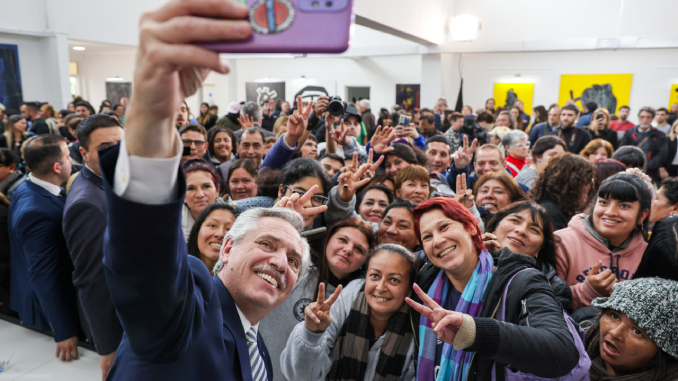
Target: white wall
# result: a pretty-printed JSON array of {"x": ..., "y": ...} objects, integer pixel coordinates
[
  {"x": 654, "y": 70},
  {"x": 96, "y": 67},
  {"x": 380, "y": 73}
]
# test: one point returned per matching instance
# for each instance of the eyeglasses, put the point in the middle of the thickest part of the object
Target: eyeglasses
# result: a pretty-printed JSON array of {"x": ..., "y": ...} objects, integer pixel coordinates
[
  {"x": 316, "y": 200},
  {"x": 522, "y": 145},
  {"x": 198, "y": 143}
]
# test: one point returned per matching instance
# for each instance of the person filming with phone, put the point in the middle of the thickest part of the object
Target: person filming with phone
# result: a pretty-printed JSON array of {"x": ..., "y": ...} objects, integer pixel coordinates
[{"x": 181, "y": 323}]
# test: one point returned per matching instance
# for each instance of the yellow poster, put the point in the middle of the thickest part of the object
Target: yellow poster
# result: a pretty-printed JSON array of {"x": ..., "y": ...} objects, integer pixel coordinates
[
  {"x": 506, "y": 94},
  {"x": 608, "y": 90},
  {"x": 674, "y": 95}
]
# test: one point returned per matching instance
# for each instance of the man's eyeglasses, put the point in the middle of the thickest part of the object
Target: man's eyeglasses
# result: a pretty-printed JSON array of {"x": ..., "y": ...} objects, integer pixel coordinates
[
  {"x": 316, "y": 200},
  {"x": 198, "y": 143}
]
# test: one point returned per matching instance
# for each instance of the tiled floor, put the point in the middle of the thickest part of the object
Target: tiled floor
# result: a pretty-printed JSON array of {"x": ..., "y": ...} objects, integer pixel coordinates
[{"x": 33, "y": 357}]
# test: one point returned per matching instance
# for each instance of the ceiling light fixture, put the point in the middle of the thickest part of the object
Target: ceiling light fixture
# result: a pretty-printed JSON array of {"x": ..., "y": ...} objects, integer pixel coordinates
[
  {"x": 79, "y": 48},
  {"x": 116, "y": 79},
  {"x": 464, "y": 28}
]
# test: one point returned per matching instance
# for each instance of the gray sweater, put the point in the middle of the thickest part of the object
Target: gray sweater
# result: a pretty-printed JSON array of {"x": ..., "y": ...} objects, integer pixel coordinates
[
  {"x": 277, "y": 325},
  {"x": 526, "y": 176},
  {"x": 309, "y": 356}
]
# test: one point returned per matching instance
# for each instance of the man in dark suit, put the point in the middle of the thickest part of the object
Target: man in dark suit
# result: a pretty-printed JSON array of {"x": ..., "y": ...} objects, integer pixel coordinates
[
  {"x": 650, "y": 140},
  {"x": 42, "y": 288},
  {"x": 84, "y": 224},
  {"x": 31, "y": 111},
  {"x": 181, "y": 323}
]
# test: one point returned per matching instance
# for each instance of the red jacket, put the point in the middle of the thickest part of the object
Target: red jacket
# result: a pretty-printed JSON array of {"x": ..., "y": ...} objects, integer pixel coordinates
[{"x": 513, "y": 163}]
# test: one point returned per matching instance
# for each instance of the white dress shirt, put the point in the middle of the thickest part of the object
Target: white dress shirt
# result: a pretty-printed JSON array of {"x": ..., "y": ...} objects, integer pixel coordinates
[
  {"x": 154, "y": 182},
  {"x": 51, "y": 188}
]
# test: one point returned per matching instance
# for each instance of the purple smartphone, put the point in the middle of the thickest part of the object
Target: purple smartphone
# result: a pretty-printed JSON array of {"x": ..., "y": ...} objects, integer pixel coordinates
[{"x": 294, "y": 26}]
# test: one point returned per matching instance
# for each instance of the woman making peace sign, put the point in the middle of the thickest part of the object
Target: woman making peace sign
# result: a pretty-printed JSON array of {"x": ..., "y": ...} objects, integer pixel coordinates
[{"x": 367, "y": 334}]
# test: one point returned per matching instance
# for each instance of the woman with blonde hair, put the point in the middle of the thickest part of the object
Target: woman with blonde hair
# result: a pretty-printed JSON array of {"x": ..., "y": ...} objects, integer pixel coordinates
[
  {"x": 280, "y": 126},
  {"x": 15, "y": 133},
  {"x": 597, "y": 149},
  {"x": 598, "y": 129}
]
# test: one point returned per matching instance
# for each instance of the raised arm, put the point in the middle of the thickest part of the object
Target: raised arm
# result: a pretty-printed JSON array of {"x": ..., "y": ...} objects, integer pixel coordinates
[{"x": 159, "y": 297}]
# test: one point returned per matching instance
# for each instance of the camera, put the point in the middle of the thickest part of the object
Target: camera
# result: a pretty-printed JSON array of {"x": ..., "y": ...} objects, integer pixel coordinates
[
  {"x": 600, "y": 116},
  {"x": 336, "y": 106}
]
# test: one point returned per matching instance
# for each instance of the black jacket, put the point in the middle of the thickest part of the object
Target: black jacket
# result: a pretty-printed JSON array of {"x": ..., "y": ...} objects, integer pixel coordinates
[
  {"x": 655, "y": 147},
  {"x": 561, "y": 289},
  {"x": 576, "y": 143},
  {"x": 672, "y": 148},
  {"x": 558, "y": 217},
  {"x": 39, "y": 127},
  {"x": 607, "y": 135},
  {"x": 535, "y": 340}
]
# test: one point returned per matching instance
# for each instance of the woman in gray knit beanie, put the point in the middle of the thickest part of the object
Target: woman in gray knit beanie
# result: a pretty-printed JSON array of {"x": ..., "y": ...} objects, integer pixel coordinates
[{"x": 636, "y": 337}]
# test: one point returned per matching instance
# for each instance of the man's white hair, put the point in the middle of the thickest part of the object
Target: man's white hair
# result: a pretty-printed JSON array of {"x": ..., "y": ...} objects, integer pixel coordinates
[
  {"x": 248, "y": 222},
  {"x": 365, "y": 103}
]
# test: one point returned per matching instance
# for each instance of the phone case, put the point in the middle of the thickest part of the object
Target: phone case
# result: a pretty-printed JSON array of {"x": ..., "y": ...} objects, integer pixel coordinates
[{"x": 294, "y": 26}]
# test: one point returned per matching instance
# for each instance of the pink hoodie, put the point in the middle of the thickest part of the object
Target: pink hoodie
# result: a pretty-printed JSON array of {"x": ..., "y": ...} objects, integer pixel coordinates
[{"x": 578, "y": 251}]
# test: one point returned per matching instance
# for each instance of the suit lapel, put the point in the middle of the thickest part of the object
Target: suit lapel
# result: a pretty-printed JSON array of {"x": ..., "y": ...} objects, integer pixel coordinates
[
  {"x": 233, "y": 324},
  {"x": 92, "y": 177}
]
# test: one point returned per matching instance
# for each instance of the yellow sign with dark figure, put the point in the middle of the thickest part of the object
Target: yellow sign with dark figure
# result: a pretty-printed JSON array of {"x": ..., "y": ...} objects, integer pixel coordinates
[
  {"x": 610, "y": 91},
  {"x": 506, "y": 94},
  {"x": 674, "y": 96}
]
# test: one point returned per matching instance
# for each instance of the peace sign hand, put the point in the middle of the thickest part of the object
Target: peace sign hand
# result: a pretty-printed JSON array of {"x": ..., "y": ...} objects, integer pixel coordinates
[
  {"x": 445, "y": 323},
  {"x": 381, "y": 139},
  {"x": 464, "y": 196},
  {"x": 246, "y": 121},
  {"x": 297, "y": 123},
  {"x": 340, "y": 134},
  {"x": 296, "y": 203},
  {"x": 317, "y": 314},
  {"x": 352, "y": 179},
  {"x": 465, "y": 153},
  {"x": 369, "y": 173}
]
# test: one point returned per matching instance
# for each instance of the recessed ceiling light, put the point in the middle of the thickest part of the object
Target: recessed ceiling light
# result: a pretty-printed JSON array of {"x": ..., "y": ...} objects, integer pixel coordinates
[
  {"x": 116, "y": 79},
  {"x": 78, "y": 48}
]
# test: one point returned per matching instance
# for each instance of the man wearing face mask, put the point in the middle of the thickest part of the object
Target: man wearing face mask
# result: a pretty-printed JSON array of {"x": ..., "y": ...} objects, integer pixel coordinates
[
  {"x": 650, "y": 140},
  {"x": 180, "y": 323}
]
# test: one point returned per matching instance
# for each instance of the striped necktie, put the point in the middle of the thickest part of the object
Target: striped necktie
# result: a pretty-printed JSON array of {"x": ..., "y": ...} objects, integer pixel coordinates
[{"x": 256, "y": 362}]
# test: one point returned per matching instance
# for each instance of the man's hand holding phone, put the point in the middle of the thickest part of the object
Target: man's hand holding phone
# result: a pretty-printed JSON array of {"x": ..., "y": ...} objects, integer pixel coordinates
[{"x": 169, "y": 68}]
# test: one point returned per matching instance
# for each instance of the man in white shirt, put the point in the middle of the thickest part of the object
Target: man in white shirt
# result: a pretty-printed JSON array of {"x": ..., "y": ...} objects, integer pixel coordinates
[{"x": 180, "y": 322}]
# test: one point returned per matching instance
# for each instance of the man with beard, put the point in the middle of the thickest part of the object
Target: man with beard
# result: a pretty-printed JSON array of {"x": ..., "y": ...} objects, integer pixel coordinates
[{"x": 575, "y": 138}]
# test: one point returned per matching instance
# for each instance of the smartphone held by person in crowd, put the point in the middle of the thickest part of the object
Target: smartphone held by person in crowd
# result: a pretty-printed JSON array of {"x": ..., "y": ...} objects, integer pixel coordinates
[{"x": 294, "y": 26}]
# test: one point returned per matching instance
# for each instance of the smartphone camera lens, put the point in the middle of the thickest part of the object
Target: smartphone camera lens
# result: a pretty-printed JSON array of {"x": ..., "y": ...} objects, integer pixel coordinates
[
  {"x": 329, "y": 4},
  {"x": 315, "y": 4}
]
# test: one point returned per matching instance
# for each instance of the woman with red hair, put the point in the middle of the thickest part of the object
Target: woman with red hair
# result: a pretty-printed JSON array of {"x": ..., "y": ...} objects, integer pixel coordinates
[{"x": 476, "y": 319}]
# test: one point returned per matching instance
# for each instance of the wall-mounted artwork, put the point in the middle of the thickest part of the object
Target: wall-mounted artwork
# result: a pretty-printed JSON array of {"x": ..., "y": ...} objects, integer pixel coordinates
[
  {"x": 610, "y": 91},
  {"x": 673, "y": 99},
  {"x": 10, "y": 77},
  {"x": 262, "y": 91},
  {"x": 506, "y": 94},
  {"x": 407, "y": 96},
  {"x": 309, "y": 89},
  {"x": 117, "y": 90}
]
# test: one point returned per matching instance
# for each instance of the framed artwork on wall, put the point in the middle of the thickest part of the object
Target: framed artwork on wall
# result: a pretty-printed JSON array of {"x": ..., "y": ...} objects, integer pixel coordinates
[
  {"x": 610, "y": 91},
  {"x": 11, "y": 94},
  {"x": 506, "y": 94}
]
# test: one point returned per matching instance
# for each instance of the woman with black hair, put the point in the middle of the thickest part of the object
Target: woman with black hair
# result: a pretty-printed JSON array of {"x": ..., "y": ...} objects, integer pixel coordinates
[
  {"x": 11, "y": 173},
  {"x": 222, "y": 144},
  {"x": 525, "y": 228},
  {"x": 666, "y": 203},
  {"x": 241, "y": 183},
  {"x": 660, "y": 258},
  {"x": 208, "y": 232},
  {"x": 543, "y": 150},
  {"x": 372, "y": 202},
  {"x": 598, "y": 250},
  {"x": 563, "y": 188},
  {"x": 341, "y": 259}
]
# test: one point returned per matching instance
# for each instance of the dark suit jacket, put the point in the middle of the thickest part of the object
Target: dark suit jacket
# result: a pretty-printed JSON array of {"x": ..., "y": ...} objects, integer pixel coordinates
[
  {"x": 84, "y": 224},
  {"x": 41, "y": 268},
  {"x": 655, "y": 147},
  {"x": 39, "y": 127},
  {"x": 179, "y": 322}
]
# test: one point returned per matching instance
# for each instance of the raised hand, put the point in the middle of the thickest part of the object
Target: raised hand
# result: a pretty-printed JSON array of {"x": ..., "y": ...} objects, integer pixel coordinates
[
  {"x": 320, "y": 105},
  {"x": 296, "y": 203},
  {"x": 369, "y": 173},
  {"x": 445, "y": 323},
  {"x": 340, "y": 134},
  {"x": 170, "y": 67},
  {"x": 411, "y": 131},
  {"x": 464, "y": 196},
  {"x": 352, "y": 179},
  {"x": 67, "y": 349},
  {"x": 381, "y": 139},
  {"x": 491, "y": 243},
  {"x": 297, "y": 123},
  {"x": 601, "y": 282},
  {"x": 317, "y": 314},
  {"x": 464, "y": 154},
  {"x": 246, "y": 121}
]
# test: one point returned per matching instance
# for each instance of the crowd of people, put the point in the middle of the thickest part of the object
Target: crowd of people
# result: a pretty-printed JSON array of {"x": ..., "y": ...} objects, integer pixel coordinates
[{"x": 288, "y": 241}]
